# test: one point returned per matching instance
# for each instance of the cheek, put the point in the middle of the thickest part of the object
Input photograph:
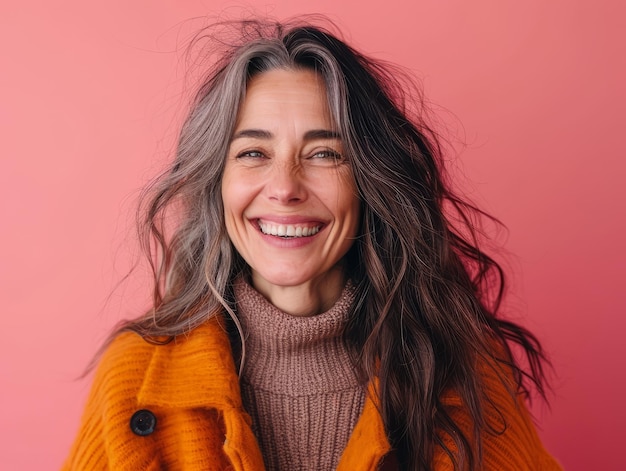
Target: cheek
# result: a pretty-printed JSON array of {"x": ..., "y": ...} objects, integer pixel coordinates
[
  {"x": 230, "y": 203},
  {"x": 349, "y": 202},
  {"x": 232, "y": 194},
  {"x": 355, "y": 220},
  {"x": 237, "y": 195}
]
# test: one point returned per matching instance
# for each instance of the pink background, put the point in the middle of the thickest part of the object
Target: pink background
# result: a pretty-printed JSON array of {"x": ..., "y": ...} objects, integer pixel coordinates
[{"x": 89, "y": 106}]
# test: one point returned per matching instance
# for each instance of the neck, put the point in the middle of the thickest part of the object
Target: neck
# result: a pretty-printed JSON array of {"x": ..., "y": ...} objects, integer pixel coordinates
[{"x": 307, "y": 299}]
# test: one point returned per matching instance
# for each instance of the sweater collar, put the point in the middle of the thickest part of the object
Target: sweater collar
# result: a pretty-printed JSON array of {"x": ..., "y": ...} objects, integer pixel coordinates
[{"x": 291, "y": 355}]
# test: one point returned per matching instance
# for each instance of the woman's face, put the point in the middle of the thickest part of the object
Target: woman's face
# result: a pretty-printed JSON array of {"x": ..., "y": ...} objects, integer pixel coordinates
[{"x": 290, "y": 201}]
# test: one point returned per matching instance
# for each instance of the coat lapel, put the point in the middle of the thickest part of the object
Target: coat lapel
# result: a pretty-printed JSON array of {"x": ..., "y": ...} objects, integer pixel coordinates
[{"x": 368, "y": 443}]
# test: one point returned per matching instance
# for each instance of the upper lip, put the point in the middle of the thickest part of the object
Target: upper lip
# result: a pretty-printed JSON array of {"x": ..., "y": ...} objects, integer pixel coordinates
[
  {"x": 290, "y": 226},
  {"x": 289, "y": 220}
]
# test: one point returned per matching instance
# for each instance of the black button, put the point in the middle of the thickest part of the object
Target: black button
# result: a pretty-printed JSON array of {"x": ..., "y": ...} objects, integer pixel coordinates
[{"x": 143, "y": 422}]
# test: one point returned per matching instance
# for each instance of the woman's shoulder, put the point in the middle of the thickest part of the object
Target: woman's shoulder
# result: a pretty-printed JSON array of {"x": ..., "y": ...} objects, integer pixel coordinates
[
  {"x": 131, "y": 352},
  {"x": 127, "y": 350},
  {"x": 133, "y": 366},
  {"x": 510, "y": 439},
  {"x": 123, "y": 365}
]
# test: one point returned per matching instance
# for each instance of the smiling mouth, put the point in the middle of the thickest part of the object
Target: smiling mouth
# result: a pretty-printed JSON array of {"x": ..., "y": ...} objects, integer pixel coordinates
[{"x": 288, "y": 231}]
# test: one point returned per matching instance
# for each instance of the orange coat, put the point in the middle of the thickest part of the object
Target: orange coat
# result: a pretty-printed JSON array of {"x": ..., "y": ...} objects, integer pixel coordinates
[{"x": 191, "y": 388}]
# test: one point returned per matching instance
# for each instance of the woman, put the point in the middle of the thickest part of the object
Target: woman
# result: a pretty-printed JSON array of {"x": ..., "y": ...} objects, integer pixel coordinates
[{"x": 314, "y": 306}]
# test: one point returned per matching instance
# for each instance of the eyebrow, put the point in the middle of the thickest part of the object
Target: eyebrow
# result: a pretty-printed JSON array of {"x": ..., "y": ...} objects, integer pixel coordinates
[{"x": 308, "y": 136}]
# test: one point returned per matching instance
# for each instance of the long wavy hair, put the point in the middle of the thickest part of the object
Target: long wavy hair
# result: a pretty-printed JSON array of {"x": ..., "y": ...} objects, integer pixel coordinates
[{"x": 426, "y": 315}]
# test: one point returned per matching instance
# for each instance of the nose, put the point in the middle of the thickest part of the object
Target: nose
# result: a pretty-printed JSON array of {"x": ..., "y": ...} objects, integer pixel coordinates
[{"x": 285, "y": 183}]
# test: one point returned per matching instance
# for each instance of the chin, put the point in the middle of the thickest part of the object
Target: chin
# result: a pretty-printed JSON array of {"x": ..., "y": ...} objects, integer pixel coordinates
[{"x": 284, "y": 279}]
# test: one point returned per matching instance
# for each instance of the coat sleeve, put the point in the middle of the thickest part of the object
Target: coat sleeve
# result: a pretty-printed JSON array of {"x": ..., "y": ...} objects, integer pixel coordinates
[
  {"x": 88, "y": 451},
  {"x": 511, "y": 442}
]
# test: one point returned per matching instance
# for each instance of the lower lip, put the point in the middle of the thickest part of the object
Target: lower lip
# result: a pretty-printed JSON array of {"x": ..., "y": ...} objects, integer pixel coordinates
[{"x": 289, "y": 243}]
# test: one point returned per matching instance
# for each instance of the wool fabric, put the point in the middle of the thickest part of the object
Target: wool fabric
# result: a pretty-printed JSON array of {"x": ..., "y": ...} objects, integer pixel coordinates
[
  {"x": 191, "y": 387},
  {"x": 298, "y": 381}
]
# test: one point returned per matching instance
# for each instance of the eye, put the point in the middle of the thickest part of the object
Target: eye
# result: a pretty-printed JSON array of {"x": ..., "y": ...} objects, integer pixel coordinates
[
  {"x": 252, "y": 154},
  {"x": 327, "y": 154}
]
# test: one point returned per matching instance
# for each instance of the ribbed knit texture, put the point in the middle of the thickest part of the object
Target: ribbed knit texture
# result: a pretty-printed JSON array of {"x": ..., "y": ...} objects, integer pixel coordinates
[
  {"x": 298, "y": 383},
  {"x": 191, "y": 387}
]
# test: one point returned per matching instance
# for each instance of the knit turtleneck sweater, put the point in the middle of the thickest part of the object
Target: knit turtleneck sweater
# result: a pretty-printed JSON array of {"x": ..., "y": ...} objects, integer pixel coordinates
[{"x": 298, "y": 383}]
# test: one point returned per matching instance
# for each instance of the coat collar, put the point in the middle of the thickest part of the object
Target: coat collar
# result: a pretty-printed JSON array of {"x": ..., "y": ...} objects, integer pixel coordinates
[{"x": 196, "y": 370}]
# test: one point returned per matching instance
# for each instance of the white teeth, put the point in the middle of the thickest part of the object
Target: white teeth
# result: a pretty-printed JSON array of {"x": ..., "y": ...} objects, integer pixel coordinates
[{"x": 281, "y": 230}]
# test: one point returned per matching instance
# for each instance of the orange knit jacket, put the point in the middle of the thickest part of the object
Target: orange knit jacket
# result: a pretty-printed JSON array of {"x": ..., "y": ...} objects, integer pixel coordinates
[{"x": 191, "y": 387}]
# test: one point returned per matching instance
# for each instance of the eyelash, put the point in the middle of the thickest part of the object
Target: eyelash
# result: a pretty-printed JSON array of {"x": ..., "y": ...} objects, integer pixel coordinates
[
  {"x": 330, "y": 154},
  {"x": 323, "y": 154},
  {"x": 249, "y": 152}
]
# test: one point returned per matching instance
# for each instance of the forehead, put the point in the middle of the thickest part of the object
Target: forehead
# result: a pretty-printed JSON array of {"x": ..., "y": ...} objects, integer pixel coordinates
[{"x": 282, "y": 95}]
